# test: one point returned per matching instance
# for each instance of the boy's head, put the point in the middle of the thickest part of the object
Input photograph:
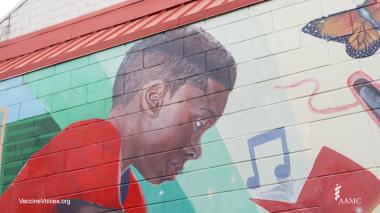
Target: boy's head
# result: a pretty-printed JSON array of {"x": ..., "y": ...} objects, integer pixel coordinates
[{"x": 171, "y": 87}]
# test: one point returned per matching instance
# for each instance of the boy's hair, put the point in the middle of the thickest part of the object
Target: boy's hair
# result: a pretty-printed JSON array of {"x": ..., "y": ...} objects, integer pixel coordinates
[{"x": 179, "y": 56}]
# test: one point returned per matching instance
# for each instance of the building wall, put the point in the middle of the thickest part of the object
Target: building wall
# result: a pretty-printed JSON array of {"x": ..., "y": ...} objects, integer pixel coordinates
[
  {"x": 301, "y": 123},
  {"x": 34, "y": 15}
]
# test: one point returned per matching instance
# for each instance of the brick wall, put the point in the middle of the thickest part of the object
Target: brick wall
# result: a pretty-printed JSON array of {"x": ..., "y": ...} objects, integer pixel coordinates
[
  {"x": 301, "y": 123},
  {"x": 38, "y": 14}
]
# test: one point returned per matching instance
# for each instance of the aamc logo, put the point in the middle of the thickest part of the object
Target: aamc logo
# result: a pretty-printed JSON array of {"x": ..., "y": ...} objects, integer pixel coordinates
[{"x": 346, "y": 200}]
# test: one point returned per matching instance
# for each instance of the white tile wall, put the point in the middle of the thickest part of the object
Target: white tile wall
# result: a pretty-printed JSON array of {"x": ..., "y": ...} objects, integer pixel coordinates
[
  {"x": 278, "y": 43},
  {"x": 295, "y": 61},
  {"x": 37, "y": 14},
  {"x": 330, "y": 7},
  {"x": 297, "y": 14},
  {"x": 269, "y": 6}
]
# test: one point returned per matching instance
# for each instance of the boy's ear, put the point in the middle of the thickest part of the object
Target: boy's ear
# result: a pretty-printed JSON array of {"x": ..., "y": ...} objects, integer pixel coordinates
[{"x": 153, "y": 97}]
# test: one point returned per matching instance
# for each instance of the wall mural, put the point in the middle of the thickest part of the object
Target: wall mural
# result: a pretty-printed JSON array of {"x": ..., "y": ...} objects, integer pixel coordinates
[{"x": 190, "y": 118}]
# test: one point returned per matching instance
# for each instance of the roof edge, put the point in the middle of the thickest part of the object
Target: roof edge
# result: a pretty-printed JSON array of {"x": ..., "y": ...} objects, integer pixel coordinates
[
  {"x": 82, "y": 25},
  {"x": 112, "y": 35}
]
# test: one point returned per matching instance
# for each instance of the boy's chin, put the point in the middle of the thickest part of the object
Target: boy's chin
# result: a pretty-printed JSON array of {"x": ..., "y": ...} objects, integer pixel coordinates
[{"x": 157, "y": 181}]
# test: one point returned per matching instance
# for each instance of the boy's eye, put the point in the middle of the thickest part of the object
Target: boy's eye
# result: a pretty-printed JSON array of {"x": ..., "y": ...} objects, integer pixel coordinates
[{"x": 198, "y": 124}]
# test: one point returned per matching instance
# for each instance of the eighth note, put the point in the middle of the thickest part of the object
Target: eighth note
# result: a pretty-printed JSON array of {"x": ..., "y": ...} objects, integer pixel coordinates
[{"x": 281, "y": 171}]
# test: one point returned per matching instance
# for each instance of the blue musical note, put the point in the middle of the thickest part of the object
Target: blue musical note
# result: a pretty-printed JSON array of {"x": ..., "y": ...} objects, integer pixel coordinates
[{"x": 281, "y": 171}]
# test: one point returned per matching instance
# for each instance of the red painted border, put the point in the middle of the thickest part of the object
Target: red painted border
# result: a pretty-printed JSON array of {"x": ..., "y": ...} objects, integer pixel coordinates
[{"x": 100, "y": 20}]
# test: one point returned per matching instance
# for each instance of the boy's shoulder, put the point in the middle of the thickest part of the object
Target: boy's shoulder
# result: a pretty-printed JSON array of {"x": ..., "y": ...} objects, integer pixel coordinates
[{"x": 81, "y": 134}]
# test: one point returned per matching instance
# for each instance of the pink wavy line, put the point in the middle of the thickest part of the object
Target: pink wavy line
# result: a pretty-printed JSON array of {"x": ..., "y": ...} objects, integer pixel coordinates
[{"x": 315, "y": 91}]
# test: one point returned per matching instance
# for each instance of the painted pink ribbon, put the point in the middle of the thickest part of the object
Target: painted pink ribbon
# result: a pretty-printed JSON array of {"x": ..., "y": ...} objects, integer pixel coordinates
[{"x": 315, "y": 92}]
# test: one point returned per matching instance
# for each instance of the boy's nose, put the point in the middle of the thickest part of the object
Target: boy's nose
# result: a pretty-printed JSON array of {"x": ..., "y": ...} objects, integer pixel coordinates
[{"x": 193, "y": 152}]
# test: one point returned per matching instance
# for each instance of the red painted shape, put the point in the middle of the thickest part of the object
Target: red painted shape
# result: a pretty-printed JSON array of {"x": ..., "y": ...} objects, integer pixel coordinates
[
  {"x": 24, "y": 189},
  {"x": 90, "y": 156},
  {"x": 329, "y": 169},
  {"x": 76, "y": 173},
  {"x": 47, "y": 165},
  {"x": 368, "y": 80},
  {"x": 96, "y": 32}
]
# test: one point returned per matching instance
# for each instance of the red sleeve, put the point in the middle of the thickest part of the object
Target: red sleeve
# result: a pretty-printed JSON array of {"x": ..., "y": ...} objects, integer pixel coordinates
[{"x": 71, "y": 166}]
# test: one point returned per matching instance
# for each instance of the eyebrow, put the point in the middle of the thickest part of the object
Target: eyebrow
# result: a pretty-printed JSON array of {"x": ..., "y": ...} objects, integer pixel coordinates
[{"x": 210, "y": 112}]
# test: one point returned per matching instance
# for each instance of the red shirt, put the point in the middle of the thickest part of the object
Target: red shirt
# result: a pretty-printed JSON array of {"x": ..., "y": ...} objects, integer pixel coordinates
[{"x": 81, "y": 162}]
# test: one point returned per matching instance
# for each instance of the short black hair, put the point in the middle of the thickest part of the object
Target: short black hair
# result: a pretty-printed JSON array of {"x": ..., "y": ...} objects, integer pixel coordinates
[{"x": 176, "y": 56}]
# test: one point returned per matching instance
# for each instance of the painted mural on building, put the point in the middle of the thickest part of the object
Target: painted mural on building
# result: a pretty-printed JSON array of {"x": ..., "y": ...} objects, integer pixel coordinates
[{"x": 220, "y": 116}]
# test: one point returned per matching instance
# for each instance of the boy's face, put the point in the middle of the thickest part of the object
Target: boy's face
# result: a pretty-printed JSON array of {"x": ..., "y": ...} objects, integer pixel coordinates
[{"x": 167, "y": 150}]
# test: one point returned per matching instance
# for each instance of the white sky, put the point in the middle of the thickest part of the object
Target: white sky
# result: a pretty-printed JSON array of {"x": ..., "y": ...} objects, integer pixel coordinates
[{"x": 6, "y": 6}]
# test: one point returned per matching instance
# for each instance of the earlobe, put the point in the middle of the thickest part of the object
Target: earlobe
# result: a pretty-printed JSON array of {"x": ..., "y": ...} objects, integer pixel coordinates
[{"x": 153, "y": 97}]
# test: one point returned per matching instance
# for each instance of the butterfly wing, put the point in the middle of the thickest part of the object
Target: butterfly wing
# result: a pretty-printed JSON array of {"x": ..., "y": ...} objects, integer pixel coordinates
[
  {"x": 333, "y": 27},
  {"x": 355, "y": 28},
  {"x": 365, "y": 40},
  {"x": 374, "y": 11},
  {"x": 369, "y": 2}
]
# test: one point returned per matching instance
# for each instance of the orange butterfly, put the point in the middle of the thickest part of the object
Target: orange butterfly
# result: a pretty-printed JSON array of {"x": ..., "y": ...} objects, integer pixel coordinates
[{"x": 357, "y": 29}]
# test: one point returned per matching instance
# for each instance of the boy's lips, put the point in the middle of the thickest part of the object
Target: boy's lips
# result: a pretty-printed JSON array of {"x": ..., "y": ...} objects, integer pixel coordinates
[{"x": 175, "y": 169}]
